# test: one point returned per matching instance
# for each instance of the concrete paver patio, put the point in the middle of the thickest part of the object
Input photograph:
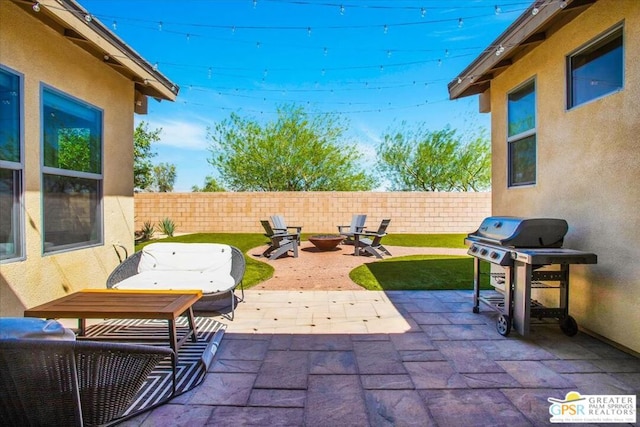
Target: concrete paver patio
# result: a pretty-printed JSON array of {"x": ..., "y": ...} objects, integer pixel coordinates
[{"x": 354, "y": 358}]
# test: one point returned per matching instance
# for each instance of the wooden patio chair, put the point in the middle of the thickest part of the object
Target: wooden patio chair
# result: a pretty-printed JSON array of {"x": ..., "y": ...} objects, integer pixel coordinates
[
  {"x": 356, "y": 226},
  {"x": 369, "y": 242},
  {"x": 280, "y": 227},
  {"x": 280, "y": 243}
]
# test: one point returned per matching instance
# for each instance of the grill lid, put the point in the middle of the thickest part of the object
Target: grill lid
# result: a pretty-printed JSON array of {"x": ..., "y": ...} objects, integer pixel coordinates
[{"x": 521, "y": 232}]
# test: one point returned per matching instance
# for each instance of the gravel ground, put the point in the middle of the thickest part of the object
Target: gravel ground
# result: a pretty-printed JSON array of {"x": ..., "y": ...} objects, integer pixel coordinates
[{"x": 328, "y": 270}]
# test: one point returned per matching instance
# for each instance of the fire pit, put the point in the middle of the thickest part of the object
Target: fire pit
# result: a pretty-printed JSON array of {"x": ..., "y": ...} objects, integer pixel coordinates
[{"x": 326, "y": 242}]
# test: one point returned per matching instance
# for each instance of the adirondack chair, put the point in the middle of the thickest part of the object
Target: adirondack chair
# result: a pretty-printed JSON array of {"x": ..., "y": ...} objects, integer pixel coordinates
[
  {"x": 281, "y": 243},
  {"x": 280, "y": 226},
  {"x": 369, "y": 242},
  {"x": 356, "y": 226}
]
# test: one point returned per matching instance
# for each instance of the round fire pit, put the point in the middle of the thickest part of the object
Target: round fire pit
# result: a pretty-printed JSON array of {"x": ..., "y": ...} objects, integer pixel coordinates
[{"x": 326, "y": 242}]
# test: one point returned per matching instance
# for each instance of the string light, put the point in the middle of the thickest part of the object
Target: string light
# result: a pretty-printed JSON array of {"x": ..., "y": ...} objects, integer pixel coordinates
[
  {"x": 255, "y": 3},
  {"x": 341, "y": 10},
  {"x": 233, "y": 30},
  {"x": 535, "y": 11},
  {"x": 325, "y": 51},
  {"x": 497, "y": 10},
  {"x": 389, "y": 54},
  {"x": 563, "y": 4},
  {"x": 209, "y": 73},
  {"x": 88, "y": 18},
  {"x": 423, "y": 12},
  {"x": 460, "y": 22},
  {"x": 385, "y": 29},
  {"x": 499, "y": 50},
  {"x": 309, "y": 31},
  {"x": 160, "y": 26},
  {"x": 188, "y": 37},
  {"x": 36, "y": 7},
  {"x": 446, "y": 53},
  {"x": 114, "y": 25}
]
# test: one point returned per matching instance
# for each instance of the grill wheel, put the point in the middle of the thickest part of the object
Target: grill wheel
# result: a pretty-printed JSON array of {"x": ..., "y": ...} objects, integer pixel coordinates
[
  {"x": 503, "y": 325},
  {"x": 569, "y": 326}
]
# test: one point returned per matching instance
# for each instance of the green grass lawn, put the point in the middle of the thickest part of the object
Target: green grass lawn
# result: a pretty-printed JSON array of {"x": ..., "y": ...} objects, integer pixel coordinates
[{"x": 417, "y": 272}]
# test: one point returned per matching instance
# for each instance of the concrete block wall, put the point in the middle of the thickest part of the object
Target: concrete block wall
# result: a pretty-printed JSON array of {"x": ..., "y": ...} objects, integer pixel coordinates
[{"x": 320, "y": 212}]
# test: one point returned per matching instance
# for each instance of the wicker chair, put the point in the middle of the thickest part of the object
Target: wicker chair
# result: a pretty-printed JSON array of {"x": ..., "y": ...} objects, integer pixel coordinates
[
  {"x": 71, "y": 383},
  {"x": 129, "y": 267}
]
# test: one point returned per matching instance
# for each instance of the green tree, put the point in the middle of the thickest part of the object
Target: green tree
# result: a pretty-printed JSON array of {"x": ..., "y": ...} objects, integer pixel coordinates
[
  {"x": 142, "y": 154},
  {"x": 423, "y": 160},
  {"x": 296, "y": 152},
  {"x": 210, "y": 186},
  {"x": 164, "y": 176}
]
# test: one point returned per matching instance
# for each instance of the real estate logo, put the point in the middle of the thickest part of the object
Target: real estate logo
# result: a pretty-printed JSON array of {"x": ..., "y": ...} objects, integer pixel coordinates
[{"x": 577, "y": 408}]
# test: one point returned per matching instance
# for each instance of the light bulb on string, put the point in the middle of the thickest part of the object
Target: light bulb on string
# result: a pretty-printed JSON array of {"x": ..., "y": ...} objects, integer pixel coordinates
[
  {"x": 188, "y": 37},
  {"x": 88, "y": 18},
  {"x": 446, "y": 53},
  {"x": 460, "y": 23},
  {"x": 389, "y": 53},
  {"x": 233, "y": 30},
  {"x": 255, "y": 3},
  {"x": 209, "y": 73},
  {"x": 155, "y": 66},
  {"x": 309, "y": 31},
  {"x": 381, "y": 68},
  {"x": 160, "y": 26},
  {"x": 325, "y": 52},
  {"x": 385, "y": 29},
  {"x": 497, "y": 10},
  {"x": 563, "y": 4},
  {"x": 36, "y": 7},
  {"x": 439, "y": 62},
  {"x": 535, "y": 11},
  {"x": 114, "y": 25},
  {"x": 423, "y": 12},
  {"x": 258, "y": 45},
  {"x": 341, "y": 10}
]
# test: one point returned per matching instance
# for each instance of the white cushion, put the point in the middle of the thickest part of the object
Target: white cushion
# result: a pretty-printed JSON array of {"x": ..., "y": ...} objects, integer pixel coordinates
[
  {"x": 33, "y": 328},
  {"x": 211, "y": 257},
  {"x": 207, "y": 282}
]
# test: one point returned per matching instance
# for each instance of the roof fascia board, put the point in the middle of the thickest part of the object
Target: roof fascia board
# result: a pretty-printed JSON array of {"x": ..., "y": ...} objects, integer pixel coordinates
[
  {"x": 525, "y": 30},
  {"x": 93, "y": 31}
]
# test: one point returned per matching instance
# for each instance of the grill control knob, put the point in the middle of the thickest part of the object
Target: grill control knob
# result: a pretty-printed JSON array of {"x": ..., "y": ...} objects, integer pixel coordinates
[
  {"x": 495, "y": 255},
  {"x": 484, "y": 252}
]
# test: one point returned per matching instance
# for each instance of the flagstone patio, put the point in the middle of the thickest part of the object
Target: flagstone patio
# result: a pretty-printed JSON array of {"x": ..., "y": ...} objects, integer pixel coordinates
[{"x": 306, "y": 355}]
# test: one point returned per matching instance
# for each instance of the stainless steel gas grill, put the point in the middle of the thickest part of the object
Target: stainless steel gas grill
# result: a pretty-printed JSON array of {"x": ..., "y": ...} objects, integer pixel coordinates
[{"x": 527, "y": 253}]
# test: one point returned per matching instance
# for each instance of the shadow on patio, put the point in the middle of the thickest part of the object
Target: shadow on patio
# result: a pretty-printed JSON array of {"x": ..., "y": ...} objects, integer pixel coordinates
[{"x": 357, "y": 358}]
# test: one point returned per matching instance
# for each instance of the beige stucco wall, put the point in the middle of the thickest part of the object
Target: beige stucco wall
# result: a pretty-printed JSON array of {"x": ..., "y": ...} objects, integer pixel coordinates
[
  {"x": 43, "y": 56},
  {"x": 410, "y": 212},
  {"x": 588, "y": 169}
]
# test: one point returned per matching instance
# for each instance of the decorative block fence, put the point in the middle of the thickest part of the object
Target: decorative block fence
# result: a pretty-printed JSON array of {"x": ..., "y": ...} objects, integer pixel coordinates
[{"x": 319, "y": 212}]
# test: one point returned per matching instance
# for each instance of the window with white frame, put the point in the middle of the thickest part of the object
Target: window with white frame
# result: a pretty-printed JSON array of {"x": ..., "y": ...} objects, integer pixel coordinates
[
  {"x": 521, "y": 135},
  {"x": 11, "y": 167},
  {"x": 596, "y": 69},
  {"x": 71, "y": 172}
]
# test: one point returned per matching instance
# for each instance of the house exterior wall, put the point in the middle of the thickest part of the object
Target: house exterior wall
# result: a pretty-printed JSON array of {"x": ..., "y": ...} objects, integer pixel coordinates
[
  {"x": 321, "y": 212},
  {"x": 588, "y": 169},
  {"x": 43, "y": 56}
]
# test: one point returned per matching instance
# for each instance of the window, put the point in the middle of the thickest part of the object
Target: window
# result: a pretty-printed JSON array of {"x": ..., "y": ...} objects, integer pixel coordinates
[
  {"x": 521, "y": 135},
  {"x": 595, "y": 70},
  {"x": 11, "y": 166},
  {"x": 71, "y": 173}
]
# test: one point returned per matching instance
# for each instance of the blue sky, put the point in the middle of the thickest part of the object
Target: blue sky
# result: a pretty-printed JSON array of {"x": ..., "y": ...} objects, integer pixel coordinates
[{"x": 375, "y": 62}]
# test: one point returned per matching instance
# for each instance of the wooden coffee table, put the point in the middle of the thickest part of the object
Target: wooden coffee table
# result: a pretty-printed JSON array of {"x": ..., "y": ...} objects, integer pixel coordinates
[{"x": 124, "y": 304}]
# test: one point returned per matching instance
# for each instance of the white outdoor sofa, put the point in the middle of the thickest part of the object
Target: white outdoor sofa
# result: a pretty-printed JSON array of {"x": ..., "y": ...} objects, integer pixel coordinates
[{"x": 214, "y": 268}]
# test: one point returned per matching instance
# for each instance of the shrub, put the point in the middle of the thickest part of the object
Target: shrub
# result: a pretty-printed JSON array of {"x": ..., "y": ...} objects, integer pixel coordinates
[
  {"x": 148, "y": 229},
  {"x": 167, "y": 226}
]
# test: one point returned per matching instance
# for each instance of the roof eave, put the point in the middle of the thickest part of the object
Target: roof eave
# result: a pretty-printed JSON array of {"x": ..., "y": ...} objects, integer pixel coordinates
[
  {"x": 94, "y": 37},
  {"x": 526, "y": 32}
]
